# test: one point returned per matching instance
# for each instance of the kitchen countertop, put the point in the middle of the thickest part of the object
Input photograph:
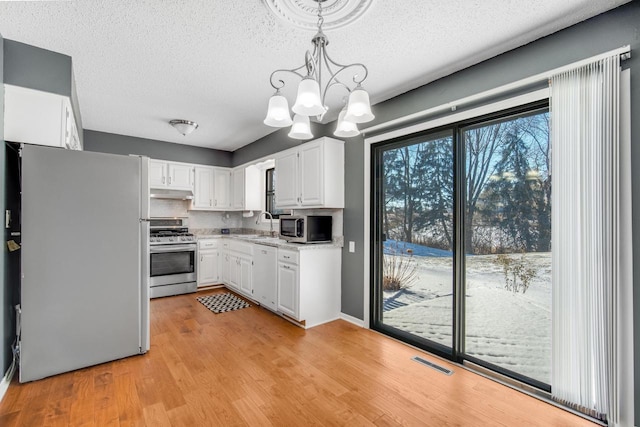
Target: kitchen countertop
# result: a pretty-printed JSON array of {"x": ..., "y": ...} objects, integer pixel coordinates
[{"x": 271, "y": 241}]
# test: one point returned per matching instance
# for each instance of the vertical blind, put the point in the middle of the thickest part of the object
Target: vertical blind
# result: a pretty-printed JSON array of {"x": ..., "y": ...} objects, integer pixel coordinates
[{"x": 584, "y": 108}]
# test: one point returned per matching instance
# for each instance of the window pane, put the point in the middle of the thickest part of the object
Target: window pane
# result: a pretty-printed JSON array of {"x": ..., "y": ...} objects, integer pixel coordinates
[
  {"x": 417, "y": 221},
  {"x": 508, "y": 245},
  {"x": 270, "y": 194}
]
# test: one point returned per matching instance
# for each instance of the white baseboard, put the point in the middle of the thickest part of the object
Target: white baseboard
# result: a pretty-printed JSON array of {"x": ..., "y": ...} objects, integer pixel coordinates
[
  {"x": 6, "y": 380},
  {"x": 352, "y": 319}
]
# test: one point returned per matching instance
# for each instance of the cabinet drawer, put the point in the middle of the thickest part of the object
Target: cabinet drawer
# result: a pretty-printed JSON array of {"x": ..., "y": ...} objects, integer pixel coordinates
[
  {"x": 290, "y": 257},
  {"x": 208, "y": 244}
]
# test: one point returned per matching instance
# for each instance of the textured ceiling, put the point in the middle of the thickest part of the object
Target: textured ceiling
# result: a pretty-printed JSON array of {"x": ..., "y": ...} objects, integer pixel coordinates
[{"x": 139, "y": 64}]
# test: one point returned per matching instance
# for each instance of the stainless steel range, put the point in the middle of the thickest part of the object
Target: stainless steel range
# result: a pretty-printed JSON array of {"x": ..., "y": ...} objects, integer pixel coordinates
[{"x": 172, "y": 251}]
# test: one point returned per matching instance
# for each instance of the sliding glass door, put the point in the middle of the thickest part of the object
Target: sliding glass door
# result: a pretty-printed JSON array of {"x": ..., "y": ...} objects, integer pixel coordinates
[
  {"x": 462, "y": 242},
  {"x": 507, "y": 241},
  {"x": 415, "y": 238}
]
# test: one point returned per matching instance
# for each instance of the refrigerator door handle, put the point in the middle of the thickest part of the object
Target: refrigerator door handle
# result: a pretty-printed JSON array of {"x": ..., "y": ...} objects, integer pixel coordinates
[{"x": 144, "y": 287}]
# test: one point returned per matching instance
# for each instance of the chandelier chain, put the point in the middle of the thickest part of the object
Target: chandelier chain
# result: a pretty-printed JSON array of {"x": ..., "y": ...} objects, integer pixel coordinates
[{"x": 320, "y": 17}]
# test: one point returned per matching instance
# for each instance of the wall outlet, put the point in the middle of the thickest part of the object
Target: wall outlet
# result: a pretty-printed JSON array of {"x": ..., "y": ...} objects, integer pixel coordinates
[{"x": 352, "y": 247}]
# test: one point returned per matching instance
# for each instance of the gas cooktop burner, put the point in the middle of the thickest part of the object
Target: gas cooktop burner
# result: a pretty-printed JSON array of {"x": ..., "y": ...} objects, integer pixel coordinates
[
  {"x": 170, "y": 236},
  {"x": 170, "y": 233}
]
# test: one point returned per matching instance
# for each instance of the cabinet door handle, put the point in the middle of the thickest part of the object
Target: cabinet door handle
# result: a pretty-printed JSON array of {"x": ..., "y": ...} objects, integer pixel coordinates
[
  {"x": 287, "y": 267},
  {"x": 163, "y": 179},
  {"x": 210, "y": 202},
  {"x": 284, "y": 256},
  {"x": 169, "y": 180}
]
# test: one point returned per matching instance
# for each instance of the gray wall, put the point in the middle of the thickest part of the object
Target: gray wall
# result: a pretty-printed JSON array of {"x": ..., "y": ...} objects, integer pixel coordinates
[
  {"x": 122, "y": 144},
  {"x": 608, "y": 31},
  {"x": 275, "y": 142},
  {"x": 35, "y": 68},
  {"x": 5, "y": 301}
]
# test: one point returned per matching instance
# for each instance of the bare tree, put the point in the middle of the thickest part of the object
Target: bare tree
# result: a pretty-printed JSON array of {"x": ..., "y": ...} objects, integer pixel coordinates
[{"x": 481, "y": 144}]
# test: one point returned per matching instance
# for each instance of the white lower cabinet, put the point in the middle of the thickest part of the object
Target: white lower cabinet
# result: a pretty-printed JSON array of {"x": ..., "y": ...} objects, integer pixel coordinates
[
  {"x": 288, "y": 289},
  {"x": 225, "y": 262},
  {"x": 240, "y": 266},
  {"x": 303, "y": 285},
  {"x": 265, "y": 270},
  {"x": 245, "y": 274},
  {"x": 309, "y": 284},
  {"x": 208, "y": 263},
  {"x": 208, "y": 268}
]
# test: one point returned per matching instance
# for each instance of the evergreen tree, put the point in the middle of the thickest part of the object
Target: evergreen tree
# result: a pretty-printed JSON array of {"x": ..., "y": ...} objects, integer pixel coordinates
[{"x": 434, "y": 165}]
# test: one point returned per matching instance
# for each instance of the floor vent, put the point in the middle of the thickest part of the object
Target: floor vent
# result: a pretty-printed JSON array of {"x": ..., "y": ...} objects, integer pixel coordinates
[{"x": 432, "y": 365}]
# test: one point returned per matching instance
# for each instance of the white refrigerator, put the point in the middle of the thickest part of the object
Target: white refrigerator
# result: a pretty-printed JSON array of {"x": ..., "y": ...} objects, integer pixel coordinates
[{"x": 84, "y": 289}]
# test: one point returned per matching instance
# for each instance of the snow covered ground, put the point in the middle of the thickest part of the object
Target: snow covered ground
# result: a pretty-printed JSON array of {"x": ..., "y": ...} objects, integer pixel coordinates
[{"x": 510, "y": 330}]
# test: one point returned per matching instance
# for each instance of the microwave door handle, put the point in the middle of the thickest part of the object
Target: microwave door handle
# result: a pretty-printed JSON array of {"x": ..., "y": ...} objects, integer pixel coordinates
[{"x": 296, "y": 232}]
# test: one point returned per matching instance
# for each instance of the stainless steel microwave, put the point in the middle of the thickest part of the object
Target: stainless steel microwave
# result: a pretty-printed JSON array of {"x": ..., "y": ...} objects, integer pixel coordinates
[{"x": 306, "y": 228}]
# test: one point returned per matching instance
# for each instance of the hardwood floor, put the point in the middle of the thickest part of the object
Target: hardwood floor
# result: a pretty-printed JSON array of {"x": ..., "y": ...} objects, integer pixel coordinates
[{"x": 250, "y": 367}]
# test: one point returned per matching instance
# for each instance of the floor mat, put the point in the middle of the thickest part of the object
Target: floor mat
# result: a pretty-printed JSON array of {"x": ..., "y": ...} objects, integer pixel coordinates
[{"x": 220, "y": 303}]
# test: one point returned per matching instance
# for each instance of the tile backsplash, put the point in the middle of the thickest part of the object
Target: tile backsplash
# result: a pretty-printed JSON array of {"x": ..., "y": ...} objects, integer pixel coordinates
[
  {"x": 207, "y": 222},
  {"x": 205, "y": 219},
  {"x": 167, "y": 208}
]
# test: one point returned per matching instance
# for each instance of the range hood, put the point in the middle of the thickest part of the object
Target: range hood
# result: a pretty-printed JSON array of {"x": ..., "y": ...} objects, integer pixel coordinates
[{"x": 160, "y": 193}]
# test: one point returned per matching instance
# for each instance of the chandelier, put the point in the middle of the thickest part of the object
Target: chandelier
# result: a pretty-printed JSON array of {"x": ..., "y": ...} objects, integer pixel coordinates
[{"x": 312, "y": 92}]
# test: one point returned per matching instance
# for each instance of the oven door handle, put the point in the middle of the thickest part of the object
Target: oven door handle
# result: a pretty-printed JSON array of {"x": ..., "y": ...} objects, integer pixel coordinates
[{"x": 172, "y": 248}]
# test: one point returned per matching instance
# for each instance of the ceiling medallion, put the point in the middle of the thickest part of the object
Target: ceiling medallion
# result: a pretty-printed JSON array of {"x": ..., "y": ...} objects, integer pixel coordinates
[{"x": 304, "y": 13}]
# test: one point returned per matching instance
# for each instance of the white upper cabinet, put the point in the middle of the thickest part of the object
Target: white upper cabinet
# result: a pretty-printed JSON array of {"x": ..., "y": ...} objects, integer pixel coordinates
[
  {"x": 176, "y": 176},
  {"x": 42, "y": 118},
  {"x": 157, "y": 173},
  {"x": 311, "y": 175},
  {"x": 287, "y": 194},
  {"x": 212, "y": 188},
  {"x": 237, "y": 185},
  {"x": 180, "y": 176},
  {"x": 247, "y": 188},
  {"x": 203, "y": 187},
  {"x": 221, "y": 188}
]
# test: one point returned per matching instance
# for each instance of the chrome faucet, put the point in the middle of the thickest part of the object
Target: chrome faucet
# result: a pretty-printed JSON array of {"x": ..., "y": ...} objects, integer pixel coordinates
[{"x": 271, "y": 232}]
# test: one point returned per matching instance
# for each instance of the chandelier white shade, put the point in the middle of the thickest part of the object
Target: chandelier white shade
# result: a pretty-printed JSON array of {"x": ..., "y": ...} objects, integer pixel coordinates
[
  {"x": 308, "y": 100},
  {"x": 185, "y": 127},
  {"x": 301, "y": 128},
  {"x": 312, "y": 91},
  {"x": 278, "y": 113},
  {"x": 359, "y": 109},
  {"x": 344, "y": 128}
]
